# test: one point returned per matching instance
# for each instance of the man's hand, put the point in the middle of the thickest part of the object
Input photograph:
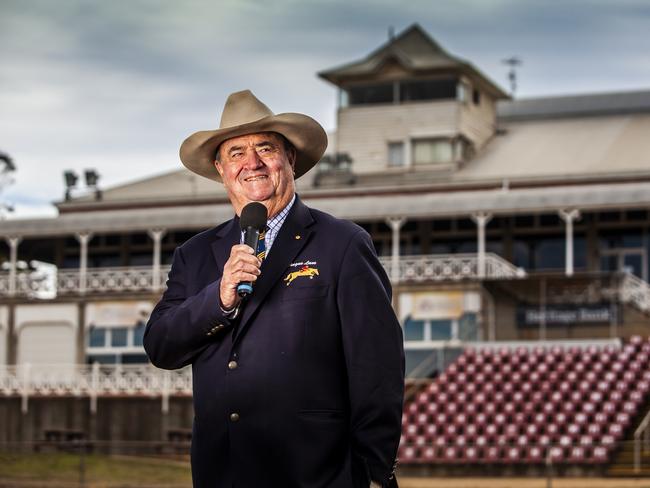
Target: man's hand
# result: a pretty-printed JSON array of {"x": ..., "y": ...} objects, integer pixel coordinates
[{"x": 242, "y": 265}]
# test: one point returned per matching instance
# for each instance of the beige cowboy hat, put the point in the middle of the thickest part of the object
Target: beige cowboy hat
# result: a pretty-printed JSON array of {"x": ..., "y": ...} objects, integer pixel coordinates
[{"x": 245, "y": 114}]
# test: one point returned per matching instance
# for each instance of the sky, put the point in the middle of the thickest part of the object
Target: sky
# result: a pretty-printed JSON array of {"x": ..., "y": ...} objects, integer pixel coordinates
[{"x": 116, "y": 86}]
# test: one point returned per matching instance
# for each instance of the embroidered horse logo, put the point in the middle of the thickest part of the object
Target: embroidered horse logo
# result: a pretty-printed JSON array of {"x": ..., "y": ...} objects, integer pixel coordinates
[{"x": 304, "y": 271}]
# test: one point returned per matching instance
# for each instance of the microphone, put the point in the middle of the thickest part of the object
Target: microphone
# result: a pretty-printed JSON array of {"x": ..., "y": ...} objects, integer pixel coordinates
[{"x": 252, "y": 222}]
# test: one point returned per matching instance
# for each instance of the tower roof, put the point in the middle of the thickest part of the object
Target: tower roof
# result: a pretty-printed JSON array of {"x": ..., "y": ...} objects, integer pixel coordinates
[{"x": 417, "y": 54}]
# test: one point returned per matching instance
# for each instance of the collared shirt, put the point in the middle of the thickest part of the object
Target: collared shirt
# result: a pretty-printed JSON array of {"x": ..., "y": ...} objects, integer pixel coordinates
[{"x": 274, "y": 224}]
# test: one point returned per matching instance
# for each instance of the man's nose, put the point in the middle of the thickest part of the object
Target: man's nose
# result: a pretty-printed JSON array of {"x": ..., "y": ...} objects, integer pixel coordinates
[{"x": 253, "y": 160}]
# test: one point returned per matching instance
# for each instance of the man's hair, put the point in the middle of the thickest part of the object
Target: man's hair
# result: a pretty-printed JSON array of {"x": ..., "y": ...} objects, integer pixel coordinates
[{"x": 288, "y": 146}]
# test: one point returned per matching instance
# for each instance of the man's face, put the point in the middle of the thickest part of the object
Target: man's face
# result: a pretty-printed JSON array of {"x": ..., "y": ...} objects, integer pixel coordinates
[{"x": 257, "y": 168}]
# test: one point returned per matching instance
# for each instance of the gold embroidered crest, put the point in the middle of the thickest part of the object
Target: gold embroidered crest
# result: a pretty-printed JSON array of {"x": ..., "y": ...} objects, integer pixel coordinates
[{"x": 304, "y": 271}]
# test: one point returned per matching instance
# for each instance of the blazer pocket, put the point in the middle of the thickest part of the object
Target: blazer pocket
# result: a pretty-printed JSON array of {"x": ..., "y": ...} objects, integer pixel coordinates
[
  {"x": 322, "y": 415},
  {"x": 305, "y": 292}
]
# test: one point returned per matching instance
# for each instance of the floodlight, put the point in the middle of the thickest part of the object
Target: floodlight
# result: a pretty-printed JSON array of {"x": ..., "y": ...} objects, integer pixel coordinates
[
  {"x": 92, "y": 177},
  {"x": 71, "y": 179}
]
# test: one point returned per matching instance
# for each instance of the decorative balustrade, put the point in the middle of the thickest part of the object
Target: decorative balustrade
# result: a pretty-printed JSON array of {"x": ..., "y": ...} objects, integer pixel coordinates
[
  {"x": 635, "y": 291},
  {"x": 4, "y": 283},
  {"x": 50, "y": 282},
  {"x": 93, "y": 381},
  {"x": 451, "y": 267}
]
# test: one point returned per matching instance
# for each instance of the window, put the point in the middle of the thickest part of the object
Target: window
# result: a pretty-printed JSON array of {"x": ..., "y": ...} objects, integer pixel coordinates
[
  {"x": 118, "y": 337},
  {"x": 441, "y": 330},
  {"x": 138, "y": 334},
  {"x": 428, "y": 90},
  {"x": 102, "y": 358},
  {"x": 361, "y": 95},
  {"x": 97, "y": 337},
  {"x": 413, "y": 330},
  {"x": 476, "y": 97},
  {"x": 116, "y": 345},
  {"x": 396, "y": 154},
  {"x": 432, "y": 151},
  {"x": 140, "y": 259}
]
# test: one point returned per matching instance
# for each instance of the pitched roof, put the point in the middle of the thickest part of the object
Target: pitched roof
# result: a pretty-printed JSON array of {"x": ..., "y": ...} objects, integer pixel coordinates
[
  {"x": 416, "y": 52},
  {"x": 590, "y": 104}
]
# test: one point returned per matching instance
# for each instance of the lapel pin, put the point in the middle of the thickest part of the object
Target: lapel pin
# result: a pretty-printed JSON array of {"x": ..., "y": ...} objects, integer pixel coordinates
[{"x": 297, "y": 237}]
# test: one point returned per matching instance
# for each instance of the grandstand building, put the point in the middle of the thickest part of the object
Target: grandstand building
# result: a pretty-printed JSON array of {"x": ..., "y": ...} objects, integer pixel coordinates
[{"x": 522, "y": 224}]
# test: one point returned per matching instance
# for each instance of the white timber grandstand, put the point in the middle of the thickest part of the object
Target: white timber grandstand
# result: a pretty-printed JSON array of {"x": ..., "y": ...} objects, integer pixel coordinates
[{"x": 500, "y": 221}]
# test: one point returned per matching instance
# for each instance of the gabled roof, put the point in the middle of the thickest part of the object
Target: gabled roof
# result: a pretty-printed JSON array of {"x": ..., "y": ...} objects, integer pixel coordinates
[
  {"x": 588, "y": 104},
  {"x": 175, "y": 185},
  {"x": 417, "y": 53}
]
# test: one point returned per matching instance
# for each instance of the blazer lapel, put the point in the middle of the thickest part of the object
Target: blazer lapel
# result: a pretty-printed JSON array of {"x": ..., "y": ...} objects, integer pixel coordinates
[
  {"x": 227, "y": 236},
  {"x": 293, "y": 236}
]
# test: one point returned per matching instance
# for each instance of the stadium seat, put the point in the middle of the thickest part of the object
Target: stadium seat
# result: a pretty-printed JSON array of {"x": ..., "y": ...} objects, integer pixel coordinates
[{"x": 510, "y": 406}]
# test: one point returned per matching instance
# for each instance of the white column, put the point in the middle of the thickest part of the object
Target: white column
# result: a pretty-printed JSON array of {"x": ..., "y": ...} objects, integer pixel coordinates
[
  {"x": 481, "y": 220},
  {"x": 156, "y": 235},
  {"x": 13, "y": 242},
  {"x": 83, "y": 238},
  {"x": 569, "y": 216},
  {"x": 94, "y": 387},
  {"x": 395, "y": 224}
]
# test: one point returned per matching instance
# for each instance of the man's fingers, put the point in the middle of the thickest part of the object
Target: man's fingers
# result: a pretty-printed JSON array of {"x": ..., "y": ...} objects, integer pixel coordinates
[
  {"x": 242, "y": 265},
  {"x": 241, "y": 248},
  {"x": 237, "y": 261}
]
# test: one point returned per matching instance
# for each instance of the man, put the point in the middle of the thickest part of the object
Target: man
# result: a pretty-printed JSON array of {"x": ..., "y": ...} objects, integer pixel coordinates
[{"x": 300, "y": 385}]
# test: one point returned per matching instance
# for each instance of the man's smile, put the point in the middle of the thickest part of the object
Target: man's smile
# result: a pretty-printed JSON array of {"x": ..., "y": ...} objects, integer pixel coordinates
[{"x": 255, "y": 178}]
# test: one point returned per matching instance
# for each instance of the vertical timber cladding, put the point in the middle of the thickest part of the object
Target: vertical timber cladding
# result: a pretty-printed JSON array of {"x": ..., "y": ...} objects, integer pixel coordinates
[
  {"x": 118, "y": 419},
  {"x": 46, "y": 333}
]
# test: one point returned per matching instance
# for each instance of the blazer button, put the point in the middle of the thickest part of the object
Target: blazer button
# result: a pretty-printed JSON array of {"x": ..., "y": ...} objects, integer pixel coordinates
[
  {"x": 234, "y": 417},
  {"x": 232, "y": 365}
]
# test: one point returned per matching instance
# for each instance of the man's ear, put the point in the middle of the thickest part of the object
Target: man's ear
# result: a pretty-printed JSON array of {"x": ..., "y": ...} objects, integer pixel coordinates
[
  {"x": 218, "y": 167},
  {"x": 291, "y": 156}
]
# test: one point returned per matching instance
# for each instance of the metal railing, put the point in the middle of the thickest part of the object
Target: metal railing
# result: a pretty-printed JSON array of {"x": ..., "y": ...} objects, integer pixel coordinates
[
  {"x": 451, "y": 267},
  {"x": 46, "y": 283},
  {"x": 635, "y": 291},
  {"x": 93, "y": 381},
  {"x": 641, "y": 441}
]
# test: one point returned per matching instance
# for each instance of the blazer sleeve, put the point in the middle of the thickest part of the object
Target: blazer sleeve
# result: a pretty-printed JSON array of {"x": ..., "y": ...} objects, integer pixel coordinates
[
  {"x": 181, "y": 326},
  {"x": 374, "y": 355}
]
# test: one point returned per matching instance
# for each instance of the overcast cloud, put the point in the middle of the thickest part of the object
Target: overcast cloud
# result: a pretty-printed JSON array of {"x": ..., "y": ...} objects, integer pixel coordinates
[{"x": 118, "y": 85}]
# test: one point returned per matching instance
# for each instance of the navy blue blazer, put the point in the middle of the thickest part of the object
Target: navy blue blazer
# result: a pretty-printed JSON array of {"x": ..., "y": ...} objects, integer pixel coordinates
[{"x": 305, "y": 389}]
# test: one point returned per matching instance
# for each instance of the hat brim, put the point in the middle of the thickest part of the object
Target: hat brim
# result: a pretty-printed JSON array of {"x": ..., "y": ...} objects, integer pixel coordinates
[{"x": 308, "y": 137}]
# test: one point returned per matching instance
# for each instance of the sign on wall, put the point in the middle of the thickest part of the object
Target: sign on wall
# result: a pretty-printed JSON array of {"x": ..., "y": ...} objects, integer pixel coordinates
[{"x": 563, "y": 315}]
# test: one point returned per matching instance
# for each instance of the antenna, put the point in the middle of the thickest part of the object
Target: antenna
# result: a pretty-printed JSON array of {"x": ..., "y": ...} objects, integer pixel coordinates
[
  {"x": 513, "y": 62},
  {"x": 391, "y": 32}
]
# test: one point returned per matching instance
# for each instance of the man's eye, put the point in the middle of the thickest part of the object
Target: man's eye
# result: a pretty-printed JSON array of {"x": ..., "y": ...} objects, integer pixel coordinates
[{"x": 236, "y": 155}]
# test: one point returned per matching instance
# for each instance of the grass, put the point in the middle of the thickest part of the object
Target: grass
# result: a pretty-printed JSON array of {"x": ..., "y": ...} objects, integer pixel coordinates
[{"x": 63, "y": 469}]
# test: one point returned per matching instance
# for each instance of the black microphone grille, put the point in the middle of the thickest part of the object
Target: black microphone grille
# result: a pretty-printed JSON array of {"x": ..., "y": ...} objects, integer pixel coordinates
[{"x": 254, "y": 215}]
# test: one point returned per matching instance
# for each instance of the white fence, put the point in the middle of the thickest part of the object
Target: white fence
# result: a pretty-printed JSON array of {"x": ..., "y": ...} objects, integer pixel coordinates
[
  {"x": 93, "y": 381},
  {"x": 50, "y": 283},
  {"x": 451, "y": 267},
  {"x": 47, "y": 283},
  {"x": 636, "y": 291}
]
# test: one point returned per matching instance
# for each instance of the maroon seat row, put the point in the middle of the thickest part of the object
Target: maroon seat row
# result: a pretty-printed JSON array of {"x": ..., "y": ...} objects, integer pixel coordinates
[{"x": 507, "y": 404}]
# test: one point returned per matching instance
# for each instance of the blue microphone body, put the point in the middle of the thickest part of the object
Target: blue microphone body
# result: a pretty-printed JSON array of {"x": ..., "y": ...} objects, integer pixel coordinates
[
  {"x": 252, "y": 239},
  {"x": 252, "y": 222}
]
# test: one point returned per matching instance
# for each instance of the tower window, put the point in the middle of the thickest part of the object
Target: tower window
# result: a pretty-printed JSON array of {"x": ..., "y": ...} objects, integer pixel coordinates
[
  {"x": 367, "y": 94},
  {"x": 396, "y": 154},
  {"x": 428, "y": 90},
  {"x": 432, "y": 151},
  {"x": 476, "y": 96}
]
